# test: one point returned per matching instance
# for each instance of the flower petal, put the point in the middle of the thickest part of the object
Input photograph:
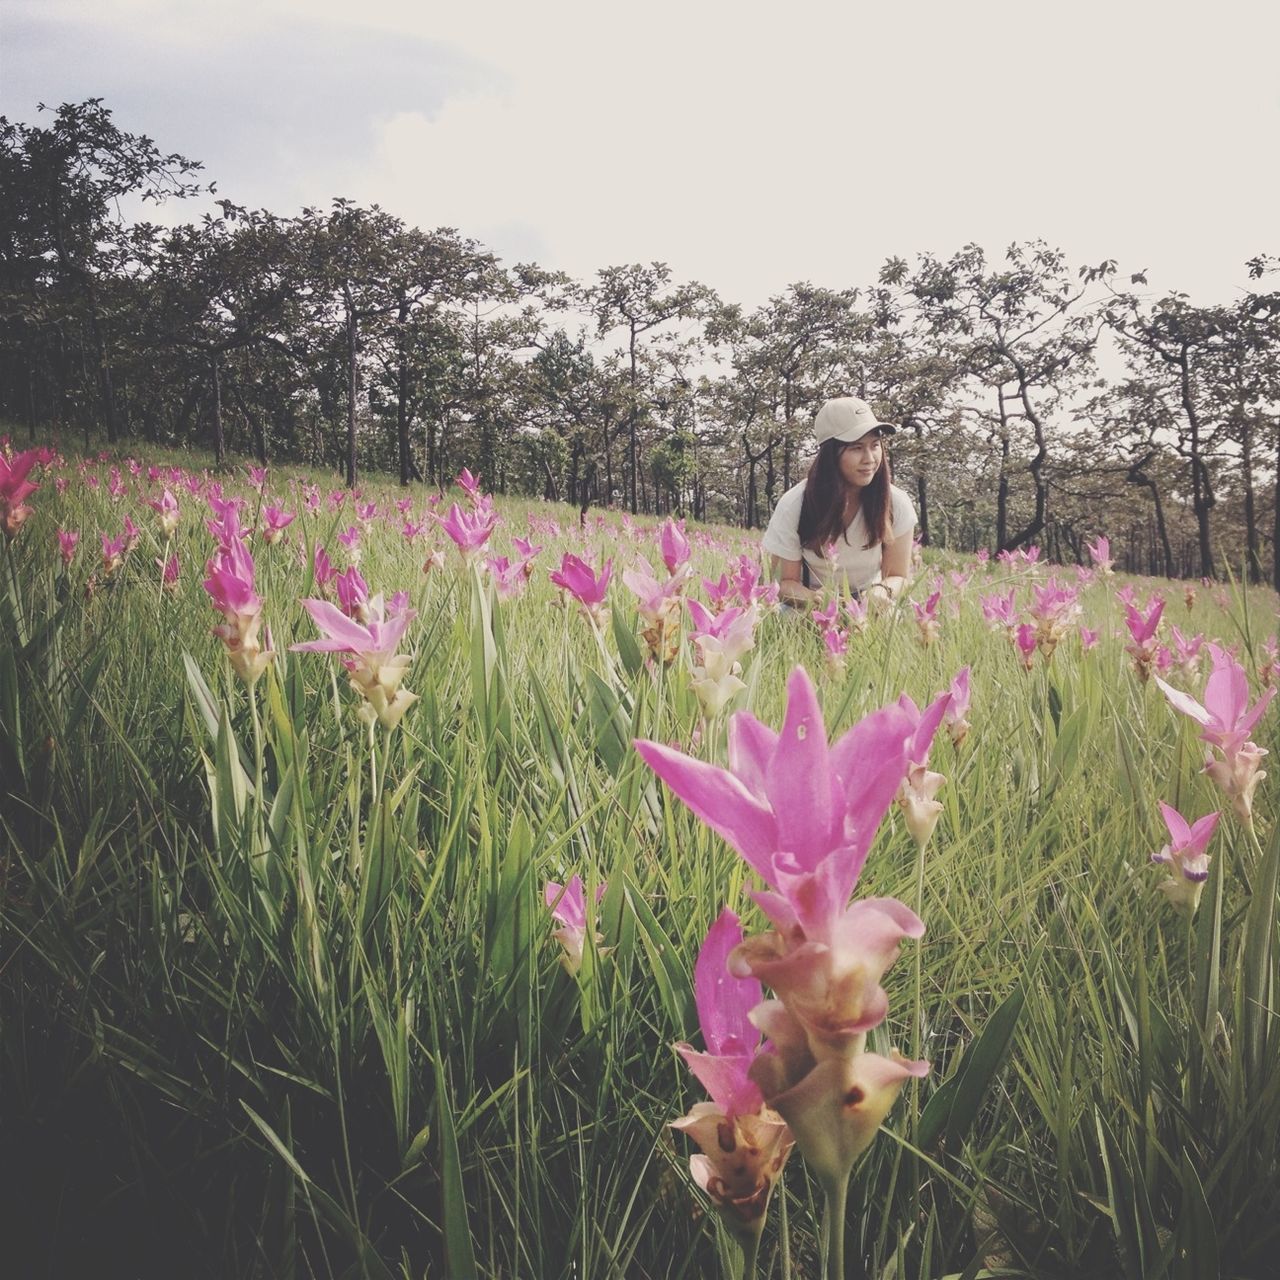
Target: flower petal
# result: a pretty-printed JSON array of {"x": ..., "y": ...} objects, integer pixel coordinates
[
  {"x": 717, "y": 798},
  {"x": 798, "y": 776}
]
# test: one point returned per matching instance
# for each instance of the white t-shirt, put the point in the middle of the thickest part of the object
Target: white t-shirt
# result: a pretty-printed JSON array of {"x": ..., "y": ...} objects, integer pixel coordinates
[{"x": 861, "y": 565}]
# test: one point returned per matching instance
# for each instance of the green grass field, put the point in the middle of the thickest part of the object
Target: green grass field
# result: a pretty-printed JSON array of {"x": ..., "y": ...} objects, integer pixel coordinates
[{"x": 279, "y": 995}]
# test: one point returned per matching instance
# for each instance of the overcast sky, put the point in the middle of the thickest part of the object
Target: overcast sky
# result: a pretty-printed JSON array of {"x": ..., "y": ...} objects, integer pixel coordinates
[{"x": 748, "y": 146}]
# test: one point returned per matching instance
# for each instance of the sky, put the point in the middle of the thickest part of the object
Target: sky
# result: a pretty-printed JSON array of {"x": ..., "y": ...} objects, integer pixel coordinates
[{"x": 747, "y": 146}]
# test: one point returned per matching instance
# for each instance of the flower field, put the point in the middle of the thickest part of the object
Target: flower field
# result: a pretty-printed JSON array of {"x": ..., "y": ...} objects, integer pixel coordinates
[{"x": 396, "y": 884}]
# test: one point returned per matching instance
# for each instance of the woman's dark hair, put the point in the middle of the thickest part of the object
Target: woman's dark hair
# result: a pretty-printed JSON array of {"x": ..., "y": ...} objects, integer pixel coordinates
[{"x": 822, "y": 511}]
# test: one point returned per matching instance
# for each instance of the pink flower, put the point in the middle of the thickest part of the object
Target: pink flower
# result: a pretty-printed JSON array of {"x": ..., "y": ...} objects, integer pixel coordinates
[
  {"x": 368, "y": 654},
  {"x": 1144, "y": 644},
  {"x": 67, "y": 545},
  {"x": 577, "y": 578},
  {"x": 15, "y": 489},
  {"x": 927, "y": 618},
  {"x": 225, "y": 524},
  {"x": 275, "y": 520},
  {"x": 826, "y": 618},
  {"x": 916, "y": 794},
  {"x": 836, "y": 643},
  {"x": 166, "y": 507},
  {"x": 169, "y": 571},
  {"x": 1055, "y": 608},
  {"x": 470, "y": 531},
  {"x": 1225, "y": 717},
  {"x": 1185, "y": 855},
  {"x": 322, "y": 567},
  {"x": 1026, "y": 639},
  {"x": 674, "y": 545},
  {"x": 112, "y": 554},
  {"x": 744, "y": 1144},
  {"x": 568, "y": 906},
  {"x": 721, "y": 593},
  {"x": 801, "y": 814},
  {"x": 1226, "y": 721},
  {"x": 1088, "y": 639},
  {"x": 659, "y": 609},
  {"x": 526, "y": 551},
  {"x": 955, "y": 716},
  {"x": 366, "y": 511},
  {"x": 1100, "y": 553},
  {"x": 508, "y": 578},
  {"x": 999, "y": 611},
  {"x": 469, "y": 484},
  {"x": 353, "y": 594},
  {"x": 257, "y": 476},
  {"x": 230, "y": 585}
]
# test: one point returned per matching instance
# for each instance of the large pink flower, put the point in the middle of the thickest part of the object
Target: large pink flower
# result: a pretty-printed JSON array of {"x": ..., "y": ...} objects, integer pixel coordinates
[
  {"x": 802, "y": 814},
  {"x": 15, "y": 488},
  {"x": 368, "y": 653},
  {"x": 1225, "y": 717},
  {"x": 470, "y": 530}
]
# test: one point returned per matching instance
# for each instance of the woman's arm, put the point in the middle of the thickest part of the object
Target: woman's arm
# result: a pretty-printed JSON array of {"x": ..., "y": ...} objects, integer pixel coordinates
[
  {"x": 895, "y": 565},
  {"x": 790, "y": 577}
]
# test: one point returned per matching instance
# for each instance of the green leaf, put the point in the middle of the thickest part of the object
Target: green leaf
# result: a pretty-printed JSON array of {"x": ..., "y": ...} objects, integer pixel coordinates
[
  {"x": 1195, "y": 1255},
  {"x": 460, "y": 1259},
  {"x": 954, "y": 1106},
  {"x": 669, "y": 975}
]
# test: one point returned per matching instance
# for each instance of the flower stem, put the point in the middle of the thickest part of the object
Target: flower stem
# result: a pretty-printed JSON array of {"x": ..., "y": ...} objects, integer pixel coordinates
[{"x": 836, "y": 1191}]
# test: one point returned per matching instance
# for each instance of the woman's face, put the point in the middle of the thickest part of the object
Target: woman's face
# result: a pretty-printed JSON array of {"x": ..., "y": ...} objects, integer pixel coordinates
[{"x": 860, "y": 461}]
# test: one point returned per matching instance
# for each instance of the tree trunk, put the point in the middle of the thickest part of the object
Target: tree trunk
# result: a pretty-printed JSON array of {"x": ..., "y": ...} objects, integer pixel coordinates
[
  {"x": 219, "y": 439},
  {"x": 1275, "y": 517},
  {"x": 635, "y": 452},
  {"x": 402, "y": 391},
  {"x": 1202, "y": 498},
  {"x": 351, "y": 390},
  {"x": 1253, "y": 551},
  {"x": 922, "y": 482}
]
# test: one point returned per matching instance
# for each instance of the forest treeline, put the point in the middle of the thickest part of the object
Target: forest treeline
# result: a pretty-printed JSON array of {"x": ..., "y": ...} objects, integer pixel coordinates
[{"x": 343, "y": 337}]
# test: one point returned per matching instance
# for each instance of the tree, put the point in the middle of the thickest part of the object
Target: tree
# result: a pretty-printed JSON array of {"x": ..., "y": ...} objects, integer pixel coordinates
[
  {"x": 640, "y": 299},
  {"x": 1024, "y": 337},
  {"x": 63, "y": 244}
]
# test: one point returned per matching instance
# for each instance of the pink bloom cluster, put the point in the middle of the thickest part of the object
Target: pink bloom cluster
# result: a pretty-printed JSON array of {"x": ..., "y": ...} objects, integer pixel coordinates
[
  {"x": 367, "y": 651},
  {"x": 590, "y": 589},
  {"x": 803, "y": 815},
  {"x": 1144, "y": 627},
  {"x": 1226, "y": 721},
  {"x": 15, "y": 489},
  {"x": 658, "y": 601},
  {"x": 230, "y": 584}
]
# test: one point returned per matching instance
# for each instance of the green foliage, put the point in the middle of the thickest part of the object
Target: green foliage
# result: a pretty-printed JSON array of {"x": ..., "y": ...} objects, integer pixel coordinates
[{"x": 279, "y": 996}]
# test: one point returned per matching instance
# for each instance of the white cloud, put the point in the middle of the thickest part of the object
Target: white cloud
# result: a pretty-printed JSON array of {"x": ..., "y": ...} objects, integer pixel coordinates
[{"x": 747, "y": 145}]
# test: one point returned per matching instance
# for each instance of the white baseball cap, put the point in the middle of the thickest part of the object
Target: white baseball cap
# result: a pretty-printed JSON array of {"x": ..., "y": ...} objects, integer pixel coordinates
[{"x": 847, "y": 419}]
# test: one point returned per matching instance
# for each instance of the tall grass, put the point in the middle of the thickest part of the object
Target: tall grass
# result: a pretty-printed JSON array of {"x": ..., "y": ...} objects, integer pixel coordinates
[{"x": 278, "y": 995}]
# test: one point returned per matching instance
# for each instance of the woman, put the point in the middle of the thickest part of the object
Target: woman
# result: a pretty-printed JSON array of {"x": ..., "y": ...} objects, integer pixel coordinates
[{"x": 846, "y": 509}]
